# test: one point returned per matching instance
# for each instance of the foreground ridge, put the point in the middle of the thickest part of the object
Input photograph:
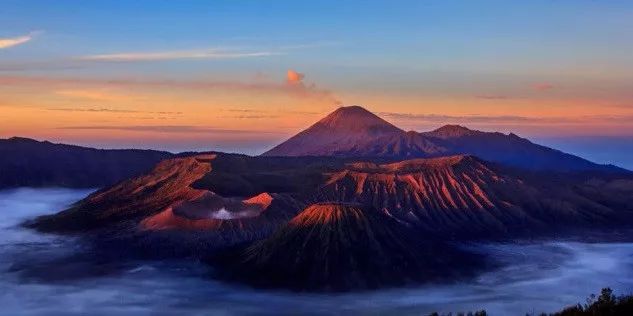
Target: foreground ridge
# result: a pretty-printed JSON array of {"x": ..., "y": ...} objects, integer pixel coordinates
[{"x": 341, "y": 246}]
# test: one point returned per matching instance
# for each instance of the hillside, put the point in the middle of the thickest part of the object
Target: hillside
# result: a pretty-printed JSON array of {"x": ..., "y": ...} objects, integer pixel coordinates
[
  {"x": 341, "y": 246},
  {"x": 27, "y": 162}
]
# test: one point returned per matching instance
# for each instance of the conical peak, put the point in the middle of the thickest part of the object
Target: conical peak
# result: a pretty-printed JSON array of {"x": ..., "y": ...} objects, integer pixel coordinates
[
  {"x": 356, "y": 118},
  {"x": 328, "y": 213}
]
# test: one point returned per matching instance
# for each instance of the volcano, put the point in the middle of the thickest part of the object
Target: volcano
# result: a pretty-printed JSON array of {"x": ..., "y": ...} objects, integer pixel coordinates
[
  {"x": 353, "y": 202},
  {"x": 343, "y": 246},
  {"x": 458, "y": 196},
  {"x": 337, "y": 134},
  {"x": 353, "y": 131}
]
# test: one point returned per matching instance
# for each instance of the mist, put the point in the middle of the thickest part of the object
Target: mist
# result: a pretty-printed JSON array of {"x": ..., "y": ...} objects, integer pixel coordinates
[{"x": 50, "y": 274}]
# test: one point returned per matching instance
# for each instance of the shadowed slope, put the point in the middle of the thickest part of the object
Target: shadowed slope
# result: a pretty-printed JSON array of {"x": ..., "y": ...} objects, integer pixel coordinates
[
  {"x": 27, "y": 162},
  {"x": 338, "y": 246},
  {"x": 510, "y": 150}
]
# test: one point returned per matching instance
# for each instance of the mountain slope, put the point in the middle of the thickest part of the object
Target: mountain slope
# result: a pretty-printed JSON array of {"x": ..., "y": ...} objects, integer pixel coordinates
[
  {"x": 339, "y": 246},
  {"x": 355, "y": 132},
  {"x": 167, "y": 184},
  {"x": 220, "y": 192},
  {"x": 336, "y": 134},
  {"x": 509, "y": 149},
  {"x": 458, "y": 196},
  {"x": 463, "y": 196},
  {"x": 27, "y": 162}
]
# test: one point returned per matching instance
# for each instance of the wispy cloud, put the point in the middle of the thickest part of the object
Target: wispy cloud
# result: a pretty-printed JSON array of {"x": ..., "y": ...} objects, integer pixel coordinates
[
  {"x": 187, "y": 129},
  {"x": 543, "y": 86},
  {"x": 253, "y": 116},
  {"x": 15, "y": 41},
  {"x": 503, "y": 119},
  {"x": 174, "y": 55},
  {"x": 261, "y": 114},
  {"x": 83, "y": 61},
  {"x": 99, "y": 110},
  {"x": 441, "y": 118},
  {"x": 109, "y": 110},
  {"x": 493, "y": 97},
  {"x": 93, "y": 94},
  {"x": 298, "y": 89},
  {"x": 318, "y": 44}
]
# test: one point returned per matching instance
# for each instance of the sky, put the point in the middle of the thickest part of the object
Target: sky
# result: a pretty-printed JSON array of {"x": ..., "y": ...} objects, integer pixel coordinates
[{"x": 243, "y": 75}]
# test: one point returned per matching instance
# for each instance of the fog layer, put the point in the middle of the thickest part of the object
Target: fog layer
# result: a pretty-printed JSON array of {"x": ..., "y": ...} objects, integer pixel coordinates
[{"x": 48, "y": 274}]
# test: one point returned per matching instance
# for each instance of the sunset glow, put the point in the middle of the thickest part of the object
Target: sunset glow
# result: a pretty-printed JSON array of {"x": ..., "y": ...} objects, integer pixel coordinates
[{"x": 197, "y": 85}]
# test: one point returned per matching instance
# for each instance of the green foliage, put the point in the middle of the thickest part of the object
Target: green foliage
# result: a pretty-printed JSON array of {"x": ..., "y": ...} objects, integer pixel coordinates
[{"x": 605, "y": 304}]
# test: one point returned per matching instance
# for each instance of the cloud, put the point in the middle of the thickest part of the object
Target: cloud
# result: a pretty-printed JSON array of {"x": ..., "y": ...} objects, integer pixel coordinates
[
  {"x": 543, "y": 86},
  {"x": 84, "y": 61},
  {"x": 299, "y": 90},
  {"x": 244, "y": 110},
  {"x": 97, "y": 95},
  {"x": 493, "y": 97},
  {"x": 254, "y": 116},
  {"x": 261, "y": 114},
  {"x": 174, "y": 55},
  {"x": 504, "y": 119},
  {"x": 296, "y": 85},
  {"x": 93, "y": 110},
  {"x": 293, "y": 77},
  {"x": 108, "y": 110},
  {"x": 15, "y": 41},
  {"x": 441, "y": 118},
  {"x": 186, "y": 129}
]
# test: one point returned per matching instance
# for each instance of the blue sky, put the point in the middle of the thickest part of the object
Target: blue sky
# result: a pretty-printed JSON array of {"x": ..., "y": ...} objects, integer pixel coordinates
[
  {"x": 495, "y": 37},
  {"x": 543, "y": 69}
]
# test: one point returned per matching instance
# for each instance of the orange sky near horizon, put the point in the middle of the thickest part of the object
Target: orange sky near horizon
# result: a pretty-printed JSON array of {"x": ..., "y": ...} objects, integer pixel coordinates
[
  {"x": 80, "y": 110},
  {"x": 243, "y": 76}
]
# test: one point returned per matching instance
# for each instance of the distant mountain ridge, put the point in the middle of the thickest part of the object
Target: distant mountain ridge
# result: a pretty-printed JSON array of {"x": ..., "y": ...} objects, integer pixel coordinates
[
  {"x": 353, "y": 131},
  {"x": 349, "y": 132},
  {"x": 28, "y": 162}
]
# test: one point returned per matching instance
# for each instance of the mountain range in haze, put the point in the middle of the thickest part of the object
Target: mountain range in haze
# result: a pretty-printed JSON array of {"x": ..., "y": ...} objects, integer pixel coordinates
[
  {"x": 348, "y": 132},
  {"x": 355, "y": 132},
  {"x": 32, "y": 163}
]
